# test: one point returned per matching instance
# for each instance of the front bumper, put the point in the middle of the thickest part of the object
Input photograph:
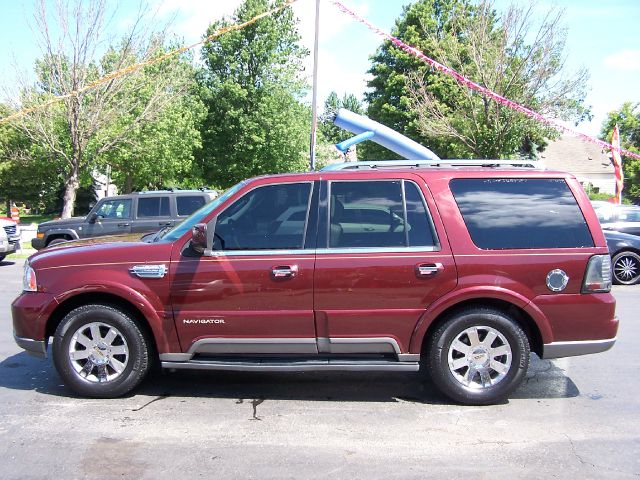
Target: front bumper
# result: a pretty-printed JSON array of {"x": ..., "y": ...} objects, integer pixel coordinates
[
  {"x": 8, "y": 246},
  {"x": 37, "y": 348},
  {"x": 37, "y": 243}
]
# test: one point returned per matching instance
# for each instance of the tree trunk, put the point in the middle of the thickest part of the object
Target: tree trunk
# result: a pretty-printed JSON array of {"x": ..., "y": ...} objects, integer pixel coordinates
[
  {"x": 128, "y": 184},
  {"x": 71, "y": 185}
]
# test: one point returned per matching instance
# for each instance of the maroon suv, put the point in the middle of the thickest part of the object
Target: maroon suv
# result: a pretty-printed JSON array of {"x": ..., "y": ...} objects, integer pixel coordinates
[{"x": 461, "y": 271}]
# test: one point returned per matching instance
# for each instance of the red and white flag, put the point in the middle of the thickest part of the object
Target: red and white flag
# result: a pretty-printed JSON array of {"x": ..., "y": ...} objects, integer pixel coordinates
[{"x": 617, "y": 163}]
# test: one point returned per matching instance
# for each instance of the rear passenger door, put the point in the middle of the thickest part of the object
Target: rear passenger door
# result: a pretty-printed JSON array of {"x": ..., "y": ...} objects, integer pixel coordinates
[
  {"x": 152, "y": 213},
  {"x": 381, "y": 260}
]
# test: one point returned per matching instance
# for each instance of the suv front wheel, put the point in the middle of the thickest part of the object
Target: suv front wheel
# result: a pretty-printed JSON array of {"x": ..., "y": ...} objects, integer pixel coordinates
[
  {"x": 478, "y": 356},
  {"x": 99, "y": 351}
]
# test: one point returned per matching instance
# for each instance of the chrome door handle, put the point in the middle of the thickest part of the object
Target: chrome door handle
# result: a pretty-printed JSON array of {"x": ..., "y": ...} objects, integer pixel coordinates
[
  {"x": 285, "y": 271},
  {"x": 124, "y": 224},
  {"x": 429, "y": 269}
]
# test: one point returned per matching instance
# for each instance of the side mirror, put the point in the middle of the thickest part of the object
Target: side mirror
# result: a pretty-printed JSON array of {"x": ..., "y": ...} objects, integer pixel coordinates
[
  {"x": 199, "y": 237},
  {"x": 92, "y": 217}
]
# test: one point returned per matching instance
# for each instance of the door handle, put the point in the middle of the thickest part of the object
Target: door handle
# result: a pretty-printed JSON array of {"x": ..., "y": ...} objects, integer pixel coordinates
[
  {"x": 428, "y": 269},
  {"x": 165, "y": 224},
  {"x": 124, "y": 224},
  {"x": 284, "y": 271}
]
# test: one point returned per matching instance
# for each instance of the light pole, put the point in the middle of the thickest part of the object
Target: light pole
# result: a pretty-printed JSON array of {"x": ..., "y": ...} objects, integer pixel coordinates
[{"x": 314, "y": 94}]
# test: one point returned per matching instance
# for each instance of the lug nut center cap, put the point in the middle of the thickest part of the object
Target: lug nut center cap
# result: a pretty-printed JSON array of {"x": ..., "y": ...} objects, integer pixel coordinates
[{"x": 478, "y": 357}]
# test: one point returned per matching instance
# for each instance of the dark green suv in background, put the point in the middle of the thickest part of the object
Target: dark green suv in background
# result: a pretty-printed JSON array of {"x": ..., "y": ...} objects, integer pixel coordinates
[{"x": 140, "y": 212}]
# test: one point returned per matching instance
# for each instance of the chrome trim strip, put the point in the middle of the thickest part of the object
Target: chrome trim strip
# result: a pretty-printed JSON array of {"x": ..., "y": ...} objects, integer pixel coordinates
[
  {"x": 409, "y": 357},
  {"x": 175, "y": 357},
  {"x": 329, "y": 251},
  {"x": 254, "y": 345},
  {"x": 253, "y": 253},
  {"x": 321, "y": 251},
  {"x": 148, "y": 271},
  {"x": 310, "y": 366},
  {"x": 37, "y": 348},
  {"x": 364, "y": 345},
  {"x": 572, "y": 349}
]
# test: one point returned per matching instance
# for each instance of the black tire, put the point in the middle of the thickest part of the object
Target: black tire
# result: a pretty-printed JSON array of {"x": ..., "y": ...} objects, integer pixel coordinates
[
  {"x": 57, "y": 241},
  {"x": 2, "y": 257},
  {"x": 626, "y": 268},
  {"x": 494, "y": 386},
  {"x": 101, "y": 378}
]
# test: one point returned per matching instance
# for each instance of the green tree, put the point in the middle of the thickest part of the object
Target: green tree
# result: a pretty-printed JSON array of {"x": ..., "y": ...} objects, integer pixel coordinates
[
  {"x": 256, "y": 123},
  {"x": 95, "y": 123},
  {"x": 329, "y": 131},
  {"x": 628, "y": 120},
  {"x": 506, "y": 54}
]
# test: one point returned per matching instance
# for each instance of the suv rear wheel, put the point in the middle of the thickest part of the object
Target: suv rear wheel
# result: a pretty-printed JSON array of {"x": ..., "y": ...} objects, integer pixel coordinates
[
  {"x": 99, "y": 351},
  {"x": 478, "y": 356}
]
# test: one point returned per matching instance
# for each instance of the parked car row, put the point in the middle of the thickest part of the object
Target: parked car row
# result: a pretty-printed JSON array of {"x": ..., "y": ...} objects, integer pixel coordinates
[
  {"x": 141, "y": 212},
  {"x": 9, "y": 237}
]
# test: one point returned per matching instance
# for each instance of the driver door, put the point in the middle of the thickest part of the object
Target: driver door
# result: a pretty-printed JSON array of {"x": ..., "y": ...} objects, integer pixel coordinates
[
  {"x": 255, "y": 294},
  {"x": 114, "y": 218}
]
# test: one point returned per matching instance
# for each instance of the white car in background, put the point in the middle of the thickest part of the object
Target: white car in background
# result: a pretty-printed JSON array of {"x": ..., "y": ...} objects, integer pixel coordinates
[{"x": 9, "y": 237}]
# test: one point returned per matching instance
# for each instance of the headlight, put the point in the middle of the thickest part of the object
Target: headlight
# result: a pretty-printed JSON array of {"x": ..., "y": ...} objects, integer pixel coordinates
[{"x": 29, "y": 283}]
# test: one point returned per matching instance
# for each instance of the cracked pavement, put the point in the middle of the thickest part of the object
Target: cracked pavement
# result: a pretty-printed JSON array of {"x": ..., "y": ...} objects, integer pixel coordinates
[{"x": 576, "y": 417}]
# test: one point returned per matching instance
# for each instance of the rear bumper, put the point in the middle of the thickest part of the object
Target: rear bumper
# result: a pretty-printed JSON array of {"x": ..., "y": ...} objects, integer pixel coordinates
[
  {"x": 37, "y": 348},
  {"x": 571, "y": 349}
]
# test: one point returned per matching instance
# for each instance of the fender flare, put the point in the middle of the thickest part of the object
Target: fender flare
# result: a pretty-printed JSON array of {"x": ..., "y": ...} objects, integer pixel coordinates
[
  {"x": 474, "y": 293},
  {"x": 162, "y": 327},
  {"x": 61, "y": 231}
]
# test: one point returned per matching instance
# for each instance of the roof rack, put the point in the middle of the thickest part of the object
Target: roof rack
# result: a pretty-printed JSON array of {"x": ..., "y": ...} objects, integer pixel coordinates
[{"x": 535, "y": 164}]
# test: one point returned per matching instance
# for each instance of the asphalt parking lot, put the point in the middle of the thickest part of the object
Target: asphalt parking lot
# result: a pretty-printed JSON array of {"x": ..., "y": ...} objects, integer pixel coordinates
[{"x": 573, "y": 418}]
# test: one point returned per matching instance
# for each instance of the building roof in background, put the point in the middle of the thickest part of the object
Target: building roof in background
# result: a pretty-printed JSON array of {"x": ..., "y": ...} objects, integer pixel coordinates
[{"x": 570, "y": 154}]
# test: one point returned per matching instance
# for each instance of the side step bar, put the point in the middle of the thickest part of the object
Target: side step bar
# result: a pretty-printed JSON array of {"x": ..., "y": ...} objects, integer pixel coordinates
[{"x": 295, "y": 366}]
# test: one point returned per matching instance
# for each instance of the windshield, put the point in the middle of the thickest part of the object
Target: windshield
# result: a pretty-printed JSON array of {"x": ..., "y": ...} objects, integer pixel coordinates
[{"x": 180, "y": 229}]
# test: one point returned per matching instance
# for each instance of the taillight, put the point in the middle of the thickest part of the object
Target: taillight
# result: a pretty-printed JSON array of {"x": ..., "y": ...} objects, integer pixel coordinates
[{"x": 597, "y": 278}]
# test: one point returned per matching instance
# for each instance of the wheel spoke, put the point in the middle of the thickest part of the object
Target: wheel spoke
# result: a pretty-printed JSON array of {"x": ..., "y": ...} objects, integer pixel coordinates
[
  {"x": 501, "y": 368},
  {"x": 117, "y": 365},
  {"x": 473, "y": 337},
  {"x": 468, "y": 377},
  {"x": 119, "y": 350},
  {"x": 489, "y": 338},
  {"x": 95, "y": 332},
  {"x": 83, "y": 340},
  {"x": 499, "y": 351},
  {"x": 80, "y": 354},
  {"x": 459, "y": 363},
  {"x": 110, "y": 336},
  {"x": 460, "y": 347},
  {"x": 485, "y": 378},
  {"x": 102, "y": 373},
  {"x": 86, "y": 370}
]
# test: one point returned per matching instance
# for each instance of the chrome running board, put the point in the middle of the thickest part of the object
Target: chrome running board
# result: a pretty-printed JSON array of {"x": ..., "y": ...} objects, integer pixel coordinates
[{"x": 266, "y": 365}]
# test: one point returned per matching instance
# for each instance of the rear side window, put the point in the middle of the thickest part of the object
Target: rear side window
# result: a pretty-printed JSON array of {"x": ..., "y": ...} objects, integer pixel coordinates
[
  {"x": 188, "y": 204},
  {"x": 153, "y": 207},
  {"x": 503, "y": 213},
  {"x": 378, "y": 214}
]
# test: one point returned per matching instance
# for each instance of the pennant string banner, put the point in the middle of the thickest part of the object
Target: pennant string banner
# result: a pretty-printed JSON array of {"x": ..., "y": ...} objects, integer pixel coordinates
[
  {"x": 137, "y": 66},
  {"x": 477, "y": 87}
]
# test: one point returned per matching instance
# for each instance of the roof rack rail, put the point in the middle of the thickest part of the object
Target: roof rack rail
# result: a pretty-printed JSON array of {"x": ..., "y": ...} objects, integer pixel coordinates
[{"x": 435, "y": 163}]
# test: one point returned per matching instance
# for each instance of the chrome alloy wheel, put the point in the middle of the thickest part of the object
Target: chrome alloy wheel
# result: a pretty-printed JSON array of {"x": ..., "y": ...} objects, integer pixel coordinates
[
  {"x": 98, "y": 352},
  {"x": 479, "y": 357},
  {"x": 626, "y": 269}
]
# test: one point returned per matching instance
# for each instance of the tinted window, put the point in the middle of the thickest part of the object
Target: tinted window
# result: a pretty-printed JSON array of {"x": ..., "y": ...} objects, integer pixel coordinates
[
  {"x": 153, "y": 207},
  {"x": 188, "y": 204},
  {"x": 115, "y": 209},
  {"x": 419, "y": 224},
  {"x": 521, "y": 213},
  {"x": 366, "y": 214},
  {"x": 265, "y": 218}
]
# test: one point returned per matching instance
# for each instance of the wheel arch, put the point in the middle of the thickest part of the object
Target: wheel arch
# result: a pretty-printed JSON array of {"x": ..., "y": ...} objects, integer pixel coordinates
[
  {"x": 102, "y": 298},
  {"x": 432, "y": 320}
]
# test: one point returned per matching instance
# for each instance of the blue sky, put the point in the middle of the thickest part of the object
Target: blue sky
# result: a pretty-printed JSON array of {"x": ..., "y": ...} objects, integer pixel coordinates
[{"x": 602, "y": 36}]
